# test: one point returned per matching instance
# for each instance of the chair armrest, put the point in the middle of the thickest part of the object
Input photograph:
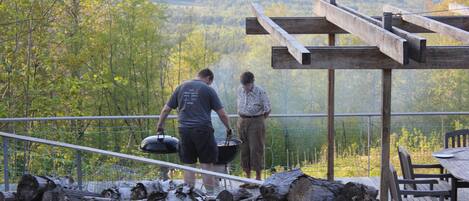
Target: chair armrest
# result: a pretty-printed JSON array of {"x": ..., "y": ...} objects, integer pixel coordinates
[
  {"x": 424, "y": 193},
  {"x": 420, "y": 181},
  {"x": 433, "y": 176},
  {"x": 427, "y": 166}
]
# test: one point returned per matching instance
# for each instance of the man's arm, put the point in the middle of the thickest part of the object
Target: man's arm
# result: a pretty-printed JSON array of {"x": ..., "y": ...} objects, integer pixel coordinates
[
  {"x": 224, "y": 118},
  {"x": 266, "y": 103},
  {"x": 164, "y": 114}
]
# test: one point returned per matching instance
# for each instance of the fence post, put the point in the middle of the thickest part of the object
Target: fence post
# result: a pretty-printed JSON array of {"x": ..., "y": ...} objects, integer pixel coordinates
[
  {"x": 5, "y": 164},
  {"x": 79, "y": 171},
  {"x": 369, "y": 145}
]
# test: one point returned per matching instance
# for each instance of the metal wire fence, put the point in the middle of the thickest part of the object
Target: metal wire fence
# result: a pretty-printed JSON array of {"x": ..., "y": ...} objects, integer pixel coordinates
[{"x": 292, "y": 141}]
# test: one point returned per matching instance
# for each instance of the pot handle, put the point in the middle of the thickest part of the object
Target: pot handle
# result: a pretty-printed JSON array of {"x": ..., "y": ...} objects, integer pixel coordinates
[
  {"x": 228, "y": 138},
  {"x": 158, "y": 134}
]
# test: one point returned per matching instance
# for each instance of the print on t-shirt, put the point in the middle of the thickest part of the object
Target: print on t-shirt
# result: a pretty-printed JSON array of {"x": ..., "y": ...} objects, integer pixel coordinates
[{"x": 190, "y": 96}]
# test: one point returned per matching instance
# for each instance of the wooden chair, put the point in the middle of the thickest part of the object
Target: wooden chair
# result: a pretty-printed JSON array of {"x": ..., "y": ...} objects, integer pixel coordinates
[
  {"x": 408, "y": 173},
  {"x": 397, "y": 193},
  {"x": 408, "y": 167},
  {"x": 458, "y": 138}
]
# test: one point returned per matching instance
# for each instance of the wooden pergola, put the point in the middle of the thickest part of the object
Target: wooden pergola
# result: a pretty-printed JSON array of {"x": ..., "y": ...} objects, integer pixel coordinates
[{"x": 392, "y": 42}]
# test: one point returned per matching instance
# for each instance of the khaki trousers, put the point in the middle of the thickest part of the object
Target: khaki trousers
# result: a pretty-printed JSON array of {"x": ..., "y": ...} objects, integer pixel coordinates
[{"x": 252, "y": 132}]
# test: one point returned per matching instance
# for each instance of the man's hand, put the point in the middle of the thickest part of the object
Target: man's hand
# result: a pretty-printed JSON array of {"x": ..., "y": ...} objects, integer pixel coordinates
[
  {"x": 164, "y": 114},
  {"x": 160, "y": 130},
  {"x": 229, "y": 133}
]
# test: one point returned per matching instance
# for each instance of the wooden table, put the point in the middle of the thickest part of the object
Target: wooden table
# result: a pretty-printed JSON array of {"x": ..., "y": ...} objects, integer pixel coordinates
[{"x": 458, "y": 166}]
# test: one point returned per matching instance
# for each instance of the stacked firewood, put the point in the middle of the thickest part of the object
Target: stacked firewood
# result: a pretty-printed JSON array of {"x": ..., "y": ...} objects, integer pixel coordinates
[
  {"x": 292, "y": 185},
  {"x": 43, "y": 188}
]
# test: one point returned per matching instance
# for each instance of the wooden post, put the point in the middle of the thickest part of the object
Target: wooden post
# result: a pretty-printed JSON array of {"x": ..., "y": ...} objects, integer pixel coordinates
[
  {"x": 386, "y": 120},
  {"x": 5, "y": 164},
  {"x": 330, "y": 114},
  {"x": 79, "y": 170}
]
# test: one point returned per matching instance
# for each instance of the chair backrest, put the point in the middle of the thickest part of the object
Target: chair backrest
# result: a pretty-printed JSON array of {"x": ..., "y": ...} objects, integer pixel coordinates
[
  {"x": 394, "y": 189},
  {"x": 458, "y": 138},
  {"x": 406, "y": 165}
]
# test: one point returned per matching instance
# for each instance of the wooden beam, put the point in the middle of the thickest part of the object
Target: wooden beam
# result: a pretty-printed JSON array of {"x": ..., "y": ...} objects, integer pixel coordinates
[
  {"x": 319, "y": 25},
  {"x": 416, "y": 44},
  {"x": 458, "y": 8},
  {"x": 430, "y": 24},
  {"x": 296, "y": 49},
  {"x": 369, "y": 57},
  {"x": 388, "y": 43}
]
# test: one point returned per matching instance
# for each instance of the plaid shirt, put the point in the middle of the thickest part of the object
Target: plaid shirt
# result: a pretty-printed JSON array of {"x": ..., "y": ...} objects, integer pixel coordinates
[{"x": 254, "y": 102}]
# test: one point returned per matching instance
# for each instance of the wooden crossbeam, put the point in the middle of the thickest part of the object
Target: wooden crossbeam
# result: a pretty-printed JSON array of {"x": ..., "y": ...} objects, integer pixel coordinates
[
  {"x": 416, "y": 44},
  {"x": 458, "y": 8},
  {"x": 388, "y": 43},
  {"x": 369, "y": 57},
  {"x": 319, "y": 25},
  {"x": 296, "y": 49},
  {"x": 430, "y": 24}
]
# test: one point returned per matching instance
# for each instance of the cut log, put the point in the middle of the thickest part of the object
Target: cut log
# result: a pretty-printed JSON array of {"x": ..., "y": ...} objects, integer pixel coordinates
[
  {"x": 184, "y": 192},
  {"x": 295, "y": 185},
  {"x": 307, "y": 188},
  {"x": 91, "y": 198},
  {"x": 7, "y": 196},
  {"x": 143, "y": 189},
  {"x": 162, "y": 191},
  {"x": 65, "y": 182},
  {"x": 355, "y": 191},
  {"x": 31, "y": 188},
  {"x": 121, "y": 193},
  {"x": 56, "y": 194},
  {"x": 234, "y": 195},
  {"x": 277, "y": 186},
  {"x": 63, "y": 194},
  {"x": 157, "y": 196},
  {"x": 312, "y": 189},
  {"x": 112, "y": 192}
]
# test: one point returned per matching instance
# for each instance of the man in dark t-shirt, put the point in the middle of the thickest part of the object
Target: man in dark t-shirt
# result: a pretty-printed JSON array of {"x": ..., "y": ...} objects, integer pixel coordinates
[{"x": 194, "y": 101}]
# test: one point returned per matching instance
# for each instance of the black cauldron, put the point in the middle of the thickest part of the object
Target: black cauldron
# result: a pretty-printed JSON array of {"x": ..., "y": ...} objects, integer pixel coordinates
[
  {"x": 227, "y": 150},
  {"x": 160, "y": 144}
]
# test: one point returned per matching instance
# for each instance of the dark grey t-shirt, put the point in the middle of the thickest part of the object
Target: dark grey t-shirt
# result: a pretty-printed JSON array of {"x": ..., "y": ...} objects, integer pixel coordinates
[{"x": 195, "y": 100}]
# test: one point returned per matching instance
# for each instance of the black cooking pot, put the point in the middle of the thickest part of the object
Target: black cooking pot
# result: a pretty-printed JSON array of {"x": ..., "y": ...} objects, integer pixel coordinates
[
  {"x": 227, "y": 150},
  {"x": 160, "y": 144}
]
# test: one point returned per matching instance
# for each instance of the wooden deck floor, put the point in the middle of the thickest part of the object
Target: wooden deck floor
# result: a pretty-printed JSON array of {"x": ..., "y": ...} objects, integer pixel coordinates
[{"x": 463, "y": 194}]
